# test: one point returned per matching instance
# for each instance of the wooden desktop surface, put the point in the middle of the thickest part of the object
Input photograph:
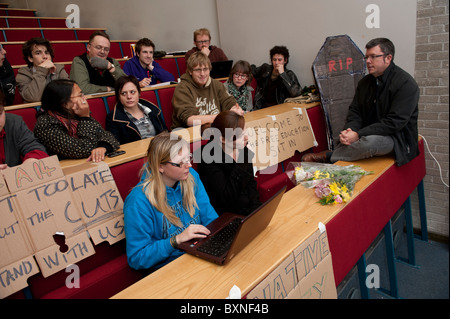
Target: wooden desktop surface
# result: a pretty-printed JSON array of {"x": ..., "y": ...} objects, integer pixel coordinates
[
  {"x": 138, "y": 149},
  {"x": 296, "y": 219}
]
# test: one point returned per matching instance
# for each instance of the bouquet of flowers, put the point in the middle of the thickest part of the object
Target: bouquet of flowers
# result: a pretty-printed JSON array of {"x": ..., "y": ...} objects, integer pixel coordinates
[{"x": 332, "y": 184}]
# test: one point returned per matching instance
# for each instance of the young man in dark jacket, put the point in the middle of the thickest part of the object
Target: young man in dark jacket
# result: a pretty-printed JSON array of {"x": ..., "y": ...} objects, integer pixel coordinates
[
  {"x": 382, "y": 118},
  {"x": 275, "y": 83}
]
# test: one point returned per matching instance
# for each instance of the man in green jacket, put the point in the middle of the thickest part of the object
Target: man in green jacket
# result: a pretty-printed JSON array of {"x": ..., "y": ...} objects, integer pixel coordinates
[{"x": 94, "y": 71}]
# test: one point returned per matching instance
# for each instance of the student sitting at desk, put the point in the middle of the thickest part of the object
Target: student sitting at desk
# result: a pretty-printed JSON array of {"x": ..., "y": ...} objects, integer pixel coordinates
[
  {"x": 65, "y": 127},
  {"x": 133, "y": 118},
  {"x": 226, "y": 167},
  {"x": 17, "y": 142},
  {"x": 199, "y": 97},
  {"x": 40, "y": 70},
  {"x": 94, "y": 71},
  {"x": 238, "y": 84},
  {"x": 144, "y": 68},
  {"x": 275, "y": 83},
  {"x": 168, "y": 206},
  {"x": 202, "y": 43},
  {"x": 7, "y": 79}
]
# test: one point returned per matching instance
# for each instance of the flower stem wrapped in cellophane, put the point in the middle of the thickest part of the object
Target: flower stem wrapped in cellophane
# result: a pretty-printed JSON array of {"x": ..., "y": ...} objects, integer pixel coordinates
[{"x": 333, "y": 183}]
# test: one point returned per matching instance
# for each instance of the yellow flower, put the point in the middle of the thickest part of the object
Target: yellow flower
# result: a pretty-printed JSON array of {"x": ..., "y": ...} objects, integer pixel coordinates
[
  {"x": 344, "y": 188},
  {"x": 334, "y": 188},
  {"x": 316, "y": 174},
  {"x": 345, "y": 196}
]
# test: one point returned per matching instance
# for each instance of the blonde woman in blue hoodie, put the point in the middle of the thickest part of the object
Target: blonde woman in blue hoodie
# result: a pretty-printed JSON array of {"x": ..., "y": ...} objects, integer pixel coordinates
[{"x": 168, "y": 206}]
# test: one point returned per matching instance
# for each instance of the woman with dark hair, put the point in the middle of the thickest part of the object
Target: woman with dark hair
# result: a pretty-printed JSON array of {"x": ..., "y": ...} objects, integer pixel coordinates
[
  {"x": 238, "y": 84},
  {"x": 40, "y": 70},
  {"x": 133, "y": 118},
  {"x": 226, "y": 167},
  {"x": 65, "y": 127}
]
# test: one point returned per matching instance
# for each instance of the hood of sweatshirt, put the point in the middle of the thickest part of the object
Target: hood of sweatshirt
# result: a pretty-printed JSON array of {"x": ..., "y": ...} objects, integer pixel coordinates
[{"x": 188, "y": 78}]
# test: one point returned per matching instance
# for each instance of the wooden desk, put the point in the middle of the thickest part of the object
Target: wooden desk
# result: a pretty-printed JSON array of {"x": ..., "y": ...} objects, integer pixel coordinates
[
  {"x": 135, "y": 150},
  {"x": 294, "y": 221},
  {"x": 138, "y": 149}
]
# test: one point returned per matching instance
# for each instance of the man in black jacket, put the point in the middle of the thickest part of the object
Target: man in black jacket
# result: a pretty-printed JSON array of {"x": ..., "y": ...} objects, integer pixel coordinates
[
  {"x": 7, "y": 79},
  {"x": 275, "y": 82},
  {"x": 382, "y": 118}
]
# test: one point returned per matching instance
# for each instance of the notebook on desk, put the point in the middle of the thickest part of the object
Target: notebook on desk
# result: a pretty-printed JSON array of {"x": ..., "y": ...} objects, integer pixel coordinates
[
  {"x": 221, "y": 69},
  {"x": 230, "y": 233}
]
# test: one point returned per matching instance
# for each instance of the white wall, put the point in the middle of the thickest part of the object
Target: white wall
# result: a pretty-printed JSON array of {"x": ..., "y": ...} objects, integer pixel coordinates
[
  {"x": 169, "y": 23},
  {"x": 303, "y": 25},
  {"x": 247, "y": 29}
]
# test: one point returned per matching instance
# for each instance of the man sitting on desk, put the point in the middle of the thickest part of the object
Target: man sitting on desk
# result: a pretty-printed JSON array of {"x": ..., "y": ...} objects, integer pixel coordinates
[
  {"x": 144, "y": 68},
  {"x": 202, "y": 41},
  {"x": 199, "y": 97},
  {"x": 94, "y": 71},
  {"x": 382, "y": 118}
]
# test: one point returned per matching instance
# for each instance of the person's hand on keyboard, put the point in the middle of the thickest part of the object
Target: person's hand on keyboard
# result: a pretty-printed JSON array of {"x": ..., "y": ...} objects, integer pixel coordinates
[{"x": 193, "y": 231}]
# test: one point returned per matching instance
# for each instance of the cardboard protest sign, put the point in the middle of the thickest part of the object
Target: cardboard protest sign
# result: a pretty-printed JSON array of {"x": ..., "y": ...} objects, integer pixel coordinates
[
  {"x": 3, "y": 187},
  {"x": 337, "y": 68},
  {"x": 14, "y": 241},
  {"x": 52, "y": 215},
  {"x": 14, "y": 276},
  {"x": 279, "y": 283},
  {"x": 274, "y": 139},
  {"x": 98, "y": 200},
  {"x": 32, "y": 173},
  {"x": 307, "y": 273},
  {"x": 69, "y": 251}
]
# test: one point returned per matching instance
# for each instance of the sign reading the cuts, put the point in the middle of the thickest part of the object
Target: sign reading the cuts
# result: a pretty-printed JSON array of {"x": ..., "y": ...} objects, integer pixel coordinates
[
  {"x": 52, "y": 215},
  {"x": 276, "y": 138}
]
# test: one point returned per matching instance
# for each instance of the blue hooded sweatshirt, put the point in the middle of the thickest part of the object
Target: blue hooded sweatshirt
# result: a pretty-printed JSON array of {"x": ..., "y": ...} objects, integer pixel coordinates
[
  {"x": 134, "y": 67},
  {"x": 148, "y": 232}
]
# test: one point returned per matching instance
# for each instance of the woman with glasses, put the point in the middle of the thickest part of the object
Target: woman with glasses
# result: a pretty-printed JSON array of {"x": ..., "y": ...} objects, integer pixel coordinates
[
  {"x": 64, "y": 125},
  {"x": 168, "y": 206},
  {"x": 133, "y": 118},
  {"x": 198, "y": 98},
  {"x": 226, "y": 167},
  {"x": 238, "y": 84}
]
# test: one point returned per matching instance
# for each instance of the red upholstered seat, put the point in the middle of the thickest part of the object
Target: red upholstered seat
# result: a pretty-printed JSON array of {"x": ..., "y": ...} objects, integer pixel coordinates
[
  {"x": 170, "y": 65},
  {"x": 28, "y": 114},
  {"x": 60, "y": 35},
  {"x": 98, "y": 110},
  {"x": 22, "y": 35},
  {"x": 165, "y": 99}
]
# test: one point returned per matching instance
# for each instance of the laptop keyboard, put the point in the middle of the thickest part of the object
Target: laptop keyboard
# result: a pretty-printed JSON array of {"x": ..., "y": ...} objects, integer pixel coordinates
[{"x": 220, "y": 242}]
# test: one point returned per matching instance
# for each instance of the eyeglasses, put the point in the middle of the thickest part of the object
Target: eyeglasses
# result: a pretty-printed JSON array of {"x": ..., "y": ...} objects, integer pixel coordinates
[
  {"x": 81, "y": 95},
  {"x": 202, "y": 41},
  {"x": 239, "y": 75},
  {"x": 185, "y": 161},
  {"x": 373, "y": 57},
  {"x": 100, "y": 48},
  {"x": 204, "y": 70}
]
